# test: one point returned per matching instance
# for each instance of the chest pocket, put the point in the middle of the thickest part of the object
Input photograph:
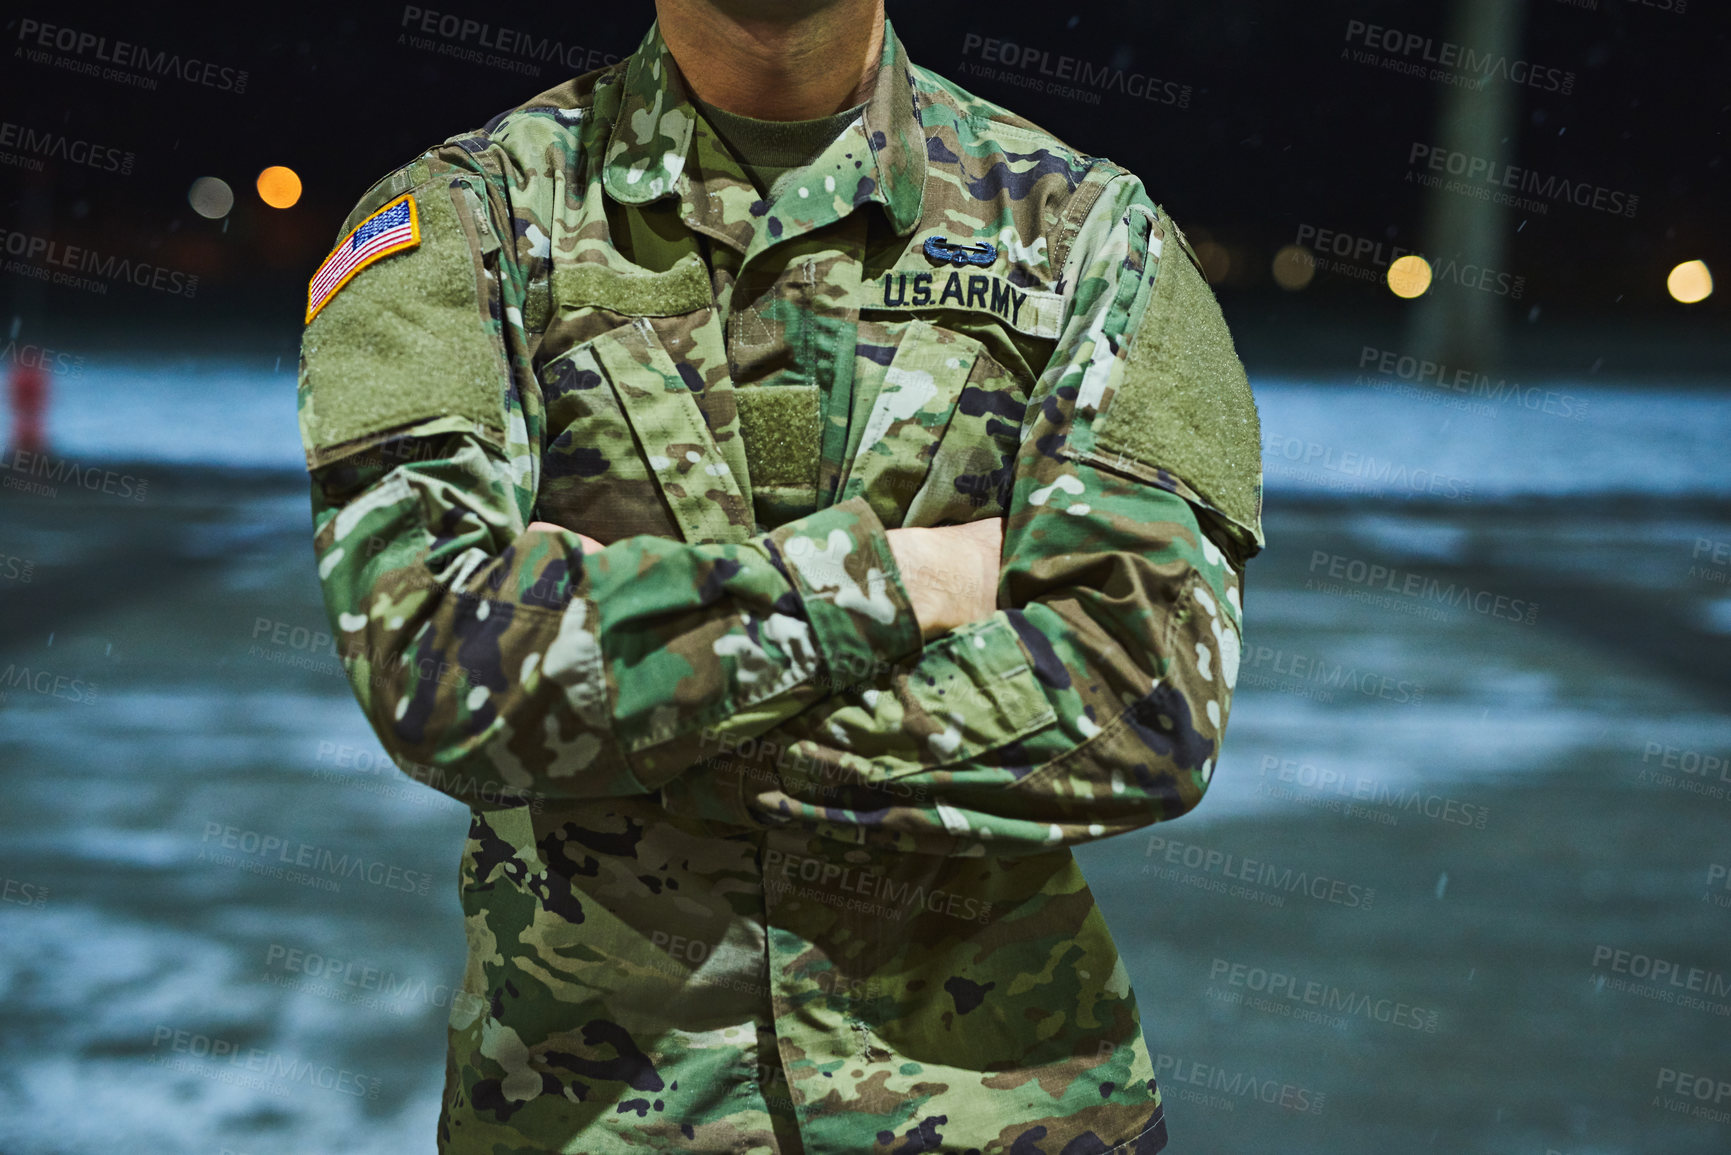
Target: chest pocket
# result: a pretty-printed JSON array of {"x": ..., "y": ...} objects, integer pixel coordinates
[
  {"x": 940, "y": 430},
  {"x": 593, "y": 477},
  {"x": 642, "y": 433}
]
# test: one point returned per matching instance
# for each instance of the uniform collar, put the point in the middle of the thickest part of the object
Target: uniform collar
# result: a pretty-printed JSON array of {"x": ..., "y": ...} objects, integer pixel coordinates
[{"x": 648, "y": 147}]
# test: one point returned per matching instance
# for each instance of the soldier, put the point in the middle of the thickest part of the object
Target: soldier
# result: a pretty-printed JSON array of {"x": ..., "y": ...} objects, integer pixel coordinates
[{"x": 792, "y": 501}]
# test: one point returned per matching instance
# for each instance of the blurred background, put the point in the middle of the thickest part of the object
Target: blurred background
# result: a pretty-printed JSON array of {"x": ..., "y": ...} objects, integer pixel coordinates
[{"x": 1461, "y": 881}]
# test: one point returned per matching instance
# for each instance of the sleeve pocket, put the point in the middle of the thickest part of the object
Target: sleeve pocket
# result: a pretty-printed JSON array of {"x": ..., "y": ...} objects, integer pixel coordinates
[
  {"x": 408, "y": 345},
  {"x": 971, "y": 691}
]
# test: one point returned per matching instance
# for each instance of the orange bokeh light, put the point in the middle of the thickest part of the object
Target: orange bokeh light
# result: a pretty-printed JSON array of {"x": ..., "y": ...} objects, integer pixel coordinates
[{"x": 279, "y": 187}]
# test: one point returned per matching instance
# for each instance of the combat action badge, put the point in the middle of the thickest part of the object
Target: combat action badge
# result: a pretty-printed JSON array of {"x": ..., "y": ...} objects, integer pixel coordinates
[{"x": 392, "y": 229}]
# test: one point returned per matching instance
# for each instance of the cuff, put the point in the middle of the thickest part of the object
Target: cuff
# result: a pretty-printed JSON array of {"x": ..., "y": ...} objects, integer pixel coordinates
[{"x": 841, "y": 565}]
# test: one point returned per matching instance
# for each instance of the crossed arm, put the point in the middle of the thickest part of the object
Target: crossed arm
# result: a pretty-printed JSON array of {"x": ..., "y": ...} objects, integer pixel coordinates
[
  {"x": 1094, "y": 656},
  {"x": 950, "y": 572}
]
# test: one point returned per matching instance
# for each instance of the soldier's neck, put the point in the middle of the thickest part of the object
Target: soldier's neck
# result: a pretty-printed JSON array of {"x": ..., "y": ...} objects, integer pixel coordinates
[{"x": 776, "y": 59}]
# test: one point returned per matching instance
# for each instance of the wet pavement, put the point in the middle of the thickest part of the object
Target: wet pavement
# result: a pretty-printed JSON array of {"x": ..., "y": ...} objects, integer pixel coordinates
[{"x": 1459, "y": 885}]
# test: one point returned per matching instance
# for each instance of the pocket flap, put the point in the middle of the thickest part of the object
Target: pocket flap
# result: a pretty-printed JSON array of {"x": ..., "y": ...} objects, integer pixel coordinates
[
  {"x": 893, "y": 449},
  {"x": 972, "y": 691},
  {"x": 694, "y": 477}
]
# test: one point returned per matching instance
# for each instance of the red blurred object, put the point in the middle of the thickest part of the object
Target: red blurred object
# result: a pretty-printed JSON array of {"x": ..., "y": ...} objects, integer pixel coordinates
[{"x": 29, "y": 404}]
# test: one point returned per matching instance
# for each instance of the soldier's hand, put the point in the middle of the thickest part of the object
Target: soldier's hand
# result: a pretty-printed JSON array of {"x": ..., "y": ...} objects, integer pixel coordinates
[
  {"x": 590, "y": 545},
  {"x": 950, "y": 572}
]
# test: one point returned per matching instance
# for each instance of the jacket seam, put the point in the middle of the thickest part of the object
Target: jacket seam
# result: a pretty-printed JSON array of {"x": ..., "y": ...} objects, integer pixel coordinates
[{"x": 1078, "y": 208}]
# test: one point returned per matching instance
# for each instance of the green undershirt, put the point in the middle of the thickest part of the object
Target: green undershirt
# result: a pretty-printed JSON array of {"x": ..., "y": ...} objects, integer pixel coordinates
[{"x": 770, "y": 150}]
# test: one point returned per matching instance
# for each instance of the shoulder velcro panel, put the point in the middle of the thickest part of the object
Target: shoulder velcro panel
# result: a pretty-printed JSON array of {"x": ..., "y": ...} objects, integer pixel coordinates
[
  {"x": 1184, "y": 403},
  {"x": 409, "y": 343}
]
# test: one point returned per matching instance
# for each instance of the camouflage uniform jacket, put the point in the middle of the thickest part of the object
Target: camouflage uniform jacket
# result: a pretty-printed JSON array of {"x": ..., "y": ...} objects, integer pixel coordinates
[{"x": 750, "y": 868}]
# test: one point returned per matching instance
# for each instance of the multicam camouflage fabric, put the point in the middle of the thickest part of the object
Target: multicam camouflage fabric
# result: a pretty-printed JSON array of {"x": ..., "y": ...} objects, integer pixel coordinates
[{"x": 751, "y": 869}]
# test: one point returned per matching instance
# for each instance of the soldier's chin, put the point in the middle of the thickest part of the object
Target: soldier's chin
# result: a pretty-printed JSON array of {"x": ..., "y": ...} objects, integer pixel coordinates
[{"x": 778, "y": 11}]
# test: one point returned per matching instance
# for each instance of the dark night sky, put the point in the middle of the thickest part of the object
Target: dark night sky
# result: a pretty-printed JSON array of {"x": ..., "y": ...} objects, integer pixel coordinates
[{"x": 1280, "y": 132}]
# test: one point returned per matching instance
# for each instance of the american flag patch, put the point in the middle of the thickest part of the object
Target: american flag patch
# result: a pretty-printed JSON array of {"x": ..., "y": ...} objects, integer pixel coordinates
[{"x": 390, "y": 230}]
